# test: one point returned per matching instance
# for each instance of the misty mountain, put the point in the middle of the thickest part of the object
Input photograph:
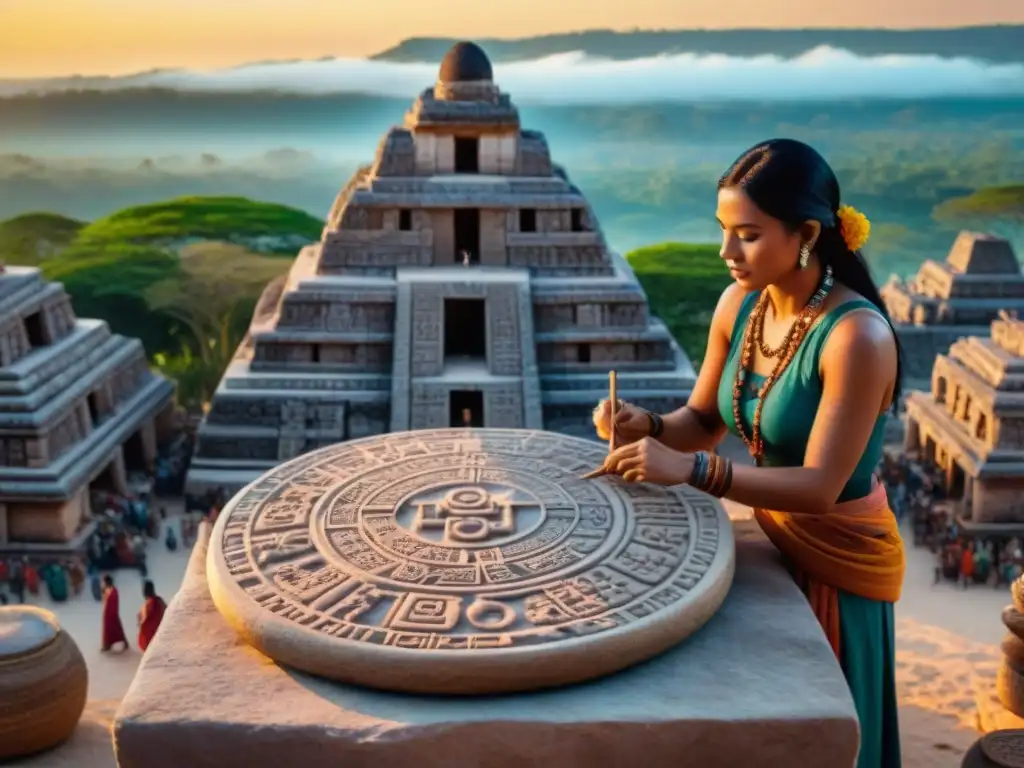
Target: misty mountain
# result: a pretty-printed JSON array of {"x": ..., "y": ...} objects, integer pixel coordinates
[{"x": 1001, "y": 44}]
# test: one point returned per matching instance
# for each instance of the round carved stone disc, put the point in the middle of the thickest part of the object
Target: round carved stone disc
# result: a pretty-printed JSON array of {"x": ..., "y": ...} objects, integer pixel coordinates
[{"x": 465, "y": 561}]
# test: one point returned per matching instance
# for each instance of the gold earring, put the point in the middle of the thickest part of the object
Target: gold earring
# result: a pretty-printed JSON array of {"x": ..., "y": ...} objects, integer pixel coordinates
[{"x": 805, "y": 256}]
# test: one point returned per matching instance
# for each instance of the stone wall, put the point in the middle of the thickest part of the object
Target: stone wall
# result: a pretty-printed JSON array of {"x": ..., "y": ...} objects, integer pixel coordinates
[
  {"x": 323, "y": 412},
  {"x": 300, "y": 425},
  {"x": 54, "y": 522},
  {"x": 556, "y": 260},
  {"x": 365, "y": 250},
  {"x": 427, "y": 322},
  {"x": 589, "y": 312},
  {"x": 271, "y": 355},
  {"x": 1008, "y": 434},
  {"x": 371, "y": 313},
  {"x": 922, "y": 344},
  {"x": 73, "y": 425},
  {"x": 498, "y": 154},
  {"x": 462, "y": 105},
  {"x": 998, "y": 501},
  {"x": 50, "y": 317},
  {"x": 533, "y": 157},
  {"x": 396, "y": 154},
  {"x": 503, "y": 404},
  {"x": 434, "y": 153},
  {"x": 650, "y": 355},
  {"x": 419, "y": 353},
  {"x": 443, "y": 223},
  {"x": 263, "y": 448},
  {"x": 13, "y": 341},
  {"x": 493, "y": 242},
  {"x": 579, "y": 219}
]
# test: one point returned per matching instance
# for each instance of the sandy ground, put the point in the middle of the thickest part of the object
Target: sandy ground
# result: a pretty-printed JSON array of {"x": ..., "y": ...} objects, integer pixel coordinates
[{"x": 947, "y": 642}]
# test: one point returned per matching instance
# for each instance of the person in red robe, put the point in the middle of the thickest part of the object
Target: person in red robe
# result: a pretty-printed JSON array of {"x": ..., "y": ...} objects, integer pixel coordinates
[
  {"x": 113, "y": 630},
  {"x": 31, "y": 578},
  {"x": 151, "y": 615}
]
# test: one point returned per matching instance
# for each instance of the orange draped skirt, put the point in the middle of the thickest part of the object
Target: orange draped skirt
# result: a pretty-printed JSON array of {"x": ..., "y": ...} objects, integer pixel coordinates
[{"x": 856, "y": 548}]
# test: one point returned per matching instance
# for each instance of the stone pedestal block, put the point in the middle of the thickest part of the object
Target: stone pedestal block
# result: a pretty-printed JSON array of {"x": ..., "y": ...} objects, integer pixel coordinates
[{"x": 757, "y": 687}]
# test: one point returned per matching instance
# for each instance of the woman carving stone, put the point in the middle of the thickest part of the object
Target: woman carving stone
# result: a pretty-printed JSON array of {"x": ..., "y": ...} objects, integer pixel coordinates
[{"x": 802, "y": 363}]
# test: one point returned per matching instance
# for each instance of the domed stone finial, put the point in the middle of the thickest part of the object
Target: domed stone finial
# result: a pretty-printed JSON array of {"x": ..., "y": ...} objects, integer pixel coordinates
[{"x": 465, "y": 63}]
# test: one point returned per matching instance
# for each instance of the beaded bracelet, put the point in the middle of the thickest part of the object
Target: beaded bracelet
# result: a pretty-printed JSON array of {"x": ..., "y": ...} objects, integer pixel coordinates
[
  {"x": 699, "y": 473},
  {"x": 711, "y": 473},
  {"x": 657, "y": 424}
]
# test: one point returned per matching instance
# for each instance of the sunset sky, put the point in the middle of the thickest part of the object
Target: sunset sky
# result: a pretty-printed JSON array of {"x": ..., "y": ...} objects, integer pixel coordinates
[{"x": 57, "y": 37}]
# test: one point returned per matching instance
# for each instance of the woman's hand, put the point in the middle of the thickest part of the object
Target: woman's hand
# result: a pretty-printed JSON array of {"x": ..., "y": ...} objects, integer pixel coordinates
[
  {"x": 631, "y": 423},
  {"x": 648, "y": 461}
]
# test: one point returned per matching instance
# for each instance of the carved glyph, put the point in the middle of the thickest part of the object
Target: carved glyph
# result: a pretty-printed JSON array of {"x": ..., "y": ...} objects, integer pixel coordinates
[{"x": 465, "y": 561}]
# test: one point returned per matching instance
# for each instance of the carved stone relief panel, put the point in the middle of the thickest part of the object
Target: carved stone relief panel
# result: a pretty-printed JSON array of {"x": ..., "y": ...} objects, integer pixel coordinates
[
  {"x": 64, "y": 435},
  {"x": 456, "y": 542},
  {"x": 427, "y": 326},
  {"x": 355, "y": 217},
  {"x": 256, "y": 448},
  {"x": 493, "y": 251},
  {"x": 505, "y": 353},
  {"x": 429, "y": 406},
  {"x": 443, "y": 226},
  {"x": 366, "y": 419},
  {"x": 559, "y": 259},
  {"x": 503, "y": 408}
]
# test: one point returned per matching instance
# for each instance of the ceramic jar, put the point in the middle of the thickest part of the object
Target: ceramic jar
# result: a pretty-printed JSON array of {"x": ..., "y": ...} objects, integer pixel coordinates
[{"x": 43, "y": 682}]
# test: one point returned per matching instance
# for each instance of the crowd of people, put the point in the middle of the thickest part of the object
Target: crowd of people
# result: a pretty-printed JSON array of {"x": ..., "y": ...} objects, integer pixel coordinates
[
  {"x": 918, "y": 490},
  {"x": 123, "y": 523}
]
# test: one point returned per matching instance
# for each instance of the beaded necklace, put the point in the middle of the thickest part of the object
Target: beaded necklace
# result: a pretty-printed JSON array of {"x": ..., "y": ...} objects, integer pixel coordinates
[{"x": 754, "y": 337}]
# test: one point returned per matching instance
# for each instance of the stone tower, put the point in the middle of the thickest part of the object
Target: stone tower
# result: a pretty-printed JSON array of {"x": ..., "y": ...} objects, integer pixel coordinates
[
  {"x": 78, "y": 407},
  {"x": 958, "y": 297},
  {"x": 971, "y": 425},
  {"x": 461, "y": 280}
]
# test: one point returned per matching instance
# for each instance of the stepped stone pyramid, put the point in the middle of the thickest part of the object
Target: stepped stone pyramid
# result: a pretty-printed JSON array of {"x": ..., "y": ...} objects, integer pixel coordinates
[
  {"x": 461, "y": 280},
  {"x": 947, "y": 300},
  {"x": 971, "y": 424},
  {"x": 78, "y": 409}
]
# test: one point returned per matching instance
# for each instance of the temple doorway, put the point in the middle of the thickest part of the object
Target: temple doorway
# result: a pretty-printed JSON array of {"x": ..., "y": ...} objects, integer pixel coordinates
[
  {"x": 94, "y": 408},
  {"x": 135, "y": 453},
  {"x": 105, "y": 481},
  {"x": 467, "y": 155},
  {"x": 955, "y": 481},
  {"x": 467, "y": 236},
  {"x": 929, "y": 450},
  {"x": 35, "y": 329},
  {"x": 465, "y": 329},
  {"x": 466, "y": 408}
]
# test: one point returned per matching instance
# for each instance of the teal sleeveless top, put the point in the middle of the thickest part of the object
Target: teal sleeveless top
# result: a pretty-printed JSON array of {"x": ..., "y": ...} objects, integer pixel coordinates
[{"x": 792, "y": 404}]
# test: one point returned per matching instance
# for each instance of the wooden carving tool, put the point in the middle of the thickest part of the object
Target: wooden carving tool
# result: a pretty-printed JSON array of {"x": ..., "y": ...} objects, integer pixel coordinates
[{"x": 613, "y": 408}]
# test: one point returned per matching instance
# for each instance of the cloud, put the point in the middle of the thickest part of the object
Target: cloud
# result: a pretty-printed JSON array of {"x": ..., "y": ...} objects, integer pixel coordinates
[{"x": 575, "y": 78}]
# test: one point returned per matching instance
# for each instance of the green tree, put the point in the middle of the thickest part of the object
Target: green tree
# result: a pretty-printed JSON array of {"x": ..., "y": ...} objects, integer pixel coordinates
[
  {"x": 683, "y": 283},
  {"x": 211, "y": 297},
  {"x": 32, "y": 237},
  {"x": 109, "y": 282},
  {"x": 999, "y": 210}
]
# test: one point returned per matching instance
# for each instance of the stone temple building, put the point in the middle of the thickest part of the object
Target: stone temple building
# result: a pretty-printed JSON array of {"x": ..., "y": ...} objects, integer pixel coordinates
[
  {"x": 959, "y": 297},
  {"x": 971, "y": 424},
  {"x": 461, "y": 280},
  {"x": 78, "y": 410}
]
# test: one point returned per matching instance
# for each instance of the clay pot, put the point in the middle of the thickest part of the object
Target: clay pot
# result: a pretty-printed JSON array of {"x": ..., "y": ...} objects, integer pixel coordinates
[
  {"x": 43, "y": 682},
  {"x": 1013, "y": 650},
  {"x": 1014, "y": 620},
  {"x": 1010, "y": 686},
  {"x": 999, "y": 749}
]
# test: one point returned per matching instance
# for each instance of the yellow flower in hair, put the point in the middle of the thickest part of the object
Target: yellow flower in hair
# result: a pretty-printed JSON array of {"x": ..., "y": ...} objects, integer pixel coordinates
[{"x": 854, "y": 227}]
